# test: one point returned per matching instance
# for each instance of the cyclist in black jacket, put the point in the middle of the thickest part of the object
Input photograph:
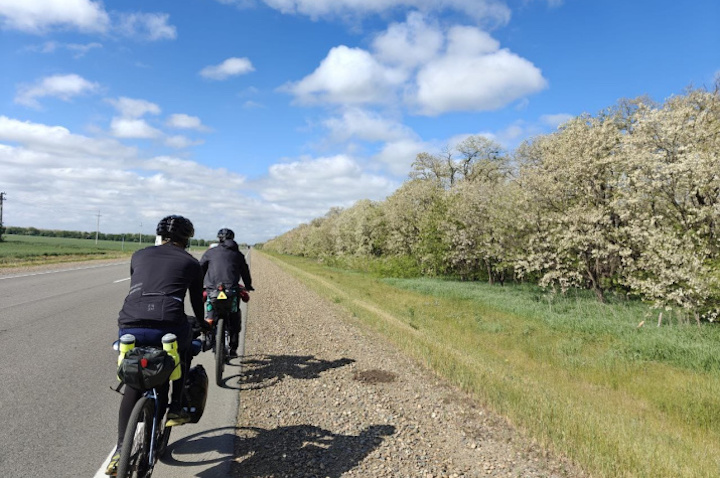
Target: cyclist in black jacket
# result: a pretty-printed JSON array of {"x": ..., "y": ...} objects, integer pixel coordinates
[
  {"x": 226, "y": 265},
  {"x": 160, "y": 276}
]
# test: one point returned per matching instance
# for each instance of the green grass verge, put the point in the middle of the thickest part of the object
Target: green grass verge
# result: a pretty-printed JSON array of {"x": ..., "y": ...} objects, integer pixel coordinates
[
  {"x": 583, "y": 378},
  {"x": 19, "y": 251}
]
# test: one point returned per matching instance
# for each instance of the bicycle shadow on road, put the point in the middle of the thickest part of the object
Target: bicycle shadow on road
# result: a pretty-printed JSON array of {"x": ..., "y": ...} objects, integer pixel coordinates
[
  {"x": 207, "y": 450},
  {"x": 264, "y": 371},
  {"x": 283, "y": 452}
]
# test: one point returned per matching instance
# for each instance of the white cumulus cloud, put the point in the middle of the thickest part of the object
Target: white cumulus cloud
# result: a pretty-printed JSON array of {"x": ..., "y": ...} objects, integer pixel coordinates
[
  {"x": 367, "y": 126},
  {"x": 64, "y": 87},
  {"x": 398, "y": 156},
  {"x": 134, "y": 108},
  {"x": 180, "y": 142},
  {"x": 183, "y": 121},
  {"x": 494, "y": 12},
  {"x": 146, "y": 26},
  {"x": 228, "y": 68},
  {"x": 39, "y": 16},
  {"x": 432, "y": 70},
  {"x": 347, "y": 76},
  {"x": 314, "y": 185},
  {"x": 408, "y": 44},
  {"x": 474, "y": 75},
  {"x": 133, "y": 128}
]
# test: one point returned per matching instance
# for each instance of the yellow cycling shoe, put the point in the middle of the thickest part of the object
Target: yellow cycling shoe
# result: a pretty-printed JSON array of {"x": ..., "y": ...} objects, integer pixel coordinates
[
  {"x": 177, "y": 418},
  {"x": 112, "y": 466}
]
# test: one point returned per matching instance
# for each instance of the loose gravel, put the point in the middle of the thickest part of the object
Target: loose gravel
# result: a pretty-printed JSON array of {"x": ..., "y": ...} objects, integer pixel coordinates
[{"x": 321, "y": 396}]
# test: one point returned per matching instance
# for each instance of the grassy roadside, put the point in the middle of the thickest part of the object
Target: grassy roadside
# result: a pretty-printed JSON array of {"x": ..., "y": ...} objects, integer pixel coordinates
[
  {"x": 25, "y": 251},
  {"x": 583, "y": 378}
]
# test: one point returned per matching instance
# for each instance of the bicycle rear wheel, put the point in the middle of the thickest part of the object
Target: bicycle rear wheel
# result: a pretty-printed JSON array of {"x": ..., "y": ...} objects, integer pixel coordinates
[
  {"x": 135, "y": 456},
  {"x": 220, "y": 351}
]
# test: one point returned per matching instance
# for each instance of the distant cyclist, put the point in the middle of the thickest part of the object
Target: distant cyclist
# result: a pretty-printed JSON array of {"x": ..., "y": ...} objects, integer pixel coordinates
[
  {"x": 226, "y": 265},
  {"x": 160, "y": 276}
]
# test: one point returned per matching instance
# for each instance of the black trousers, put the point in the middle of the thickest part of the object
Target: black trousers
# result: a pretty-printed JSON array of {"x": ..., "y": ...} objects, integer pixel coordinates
[{"x": 234, "y": 327}]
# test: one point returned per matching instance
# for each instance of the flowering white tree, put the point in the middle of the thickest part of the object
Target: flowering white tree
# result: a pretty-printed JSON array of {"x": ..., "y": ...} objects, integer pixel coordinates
[
  {"x": 360, "y": 230},
  {"x": 476, "y": 157},
  {"x": 482, "y": 228},
  {"x": 673, "y": 203},
  {"x": 571, "y": 180},
  {"x": 413, "y": 216}
]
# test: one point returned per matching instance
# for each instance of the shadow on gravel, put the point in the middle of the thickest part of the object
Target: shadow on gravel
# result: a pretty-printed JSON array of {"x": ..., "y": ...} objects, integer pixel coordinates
[
  {"x": 303, "y": 451},
  {"x": 266, "y": 370}
]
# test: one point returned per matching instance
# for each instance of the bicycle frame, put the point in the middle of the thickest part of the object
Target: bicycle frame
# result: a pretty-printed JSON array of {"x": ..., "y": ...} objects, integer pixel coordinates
[{"x": 152, "y": 458}]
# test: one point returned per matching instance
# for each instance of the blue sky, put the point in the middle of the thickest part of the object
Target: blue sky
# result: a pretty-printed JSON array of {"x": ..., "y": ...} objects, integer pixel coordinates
[{"x": 260, "y": 115}]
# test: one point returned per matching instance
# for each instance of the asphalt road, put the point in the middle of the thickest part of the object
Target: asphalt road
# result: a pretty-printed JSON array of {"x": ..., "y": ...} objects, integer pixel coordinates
[{"x": 58, "y": 413}]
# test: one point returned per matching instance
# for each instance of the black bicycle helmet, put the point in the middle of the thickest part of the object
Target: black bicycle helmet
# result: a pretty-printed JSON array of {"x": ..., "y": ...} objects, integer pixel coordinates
[
  {"x": 225, "y": 233},
  {"x": 175, "y": 228}
]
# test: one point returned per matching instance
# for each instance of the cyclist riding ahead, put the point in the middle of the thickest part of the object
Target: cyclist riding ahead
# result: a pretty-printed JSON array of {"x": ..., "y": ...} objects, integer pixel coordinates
[
  {"x": 160, "y": 276},
  {"x": 226, "y": 265}
]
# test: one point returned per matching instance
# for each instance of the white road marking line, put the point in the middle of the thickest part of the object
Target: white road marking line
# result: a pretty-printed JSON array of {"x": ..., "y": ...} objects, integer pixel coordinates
[
  {"x": 101, "y": 472},
  {"x": 121, "y": 280}
]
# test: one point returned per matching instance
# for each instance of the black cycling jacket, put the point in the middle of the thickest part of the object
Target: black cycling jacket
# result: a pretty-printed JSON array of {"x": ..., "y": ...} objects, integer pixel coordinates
[
  {"x": 159, "y": 278},
  {"x": 225, "y": 264}
]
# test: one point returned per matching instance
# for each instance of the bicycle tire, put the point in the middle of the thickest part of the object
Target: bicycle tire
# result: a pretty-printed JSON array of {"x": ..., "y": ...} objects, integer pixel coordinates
[
  {"x": 220, "y": 351},
  {"x": 135, "y": 455}
]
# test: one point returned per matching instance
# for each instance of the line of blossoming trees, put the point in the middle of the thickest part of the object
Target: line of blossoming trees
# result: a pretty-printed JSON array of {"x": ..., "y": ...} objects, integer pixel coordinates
[{"x": 625, "y": 201}]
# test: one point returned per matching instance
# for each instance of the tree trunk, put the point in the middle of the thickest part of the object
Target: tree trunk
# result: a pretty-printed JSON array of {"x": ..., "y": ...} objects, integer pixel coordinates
[{"x": 599, "y": 294}]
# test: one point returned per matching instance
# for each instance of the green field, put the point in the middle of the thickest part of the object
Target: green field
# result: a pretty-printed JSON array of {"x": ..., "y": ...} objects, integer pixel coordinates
[
  {"x": 18, "y": 251},
  {"x": 601, "y": 384}
]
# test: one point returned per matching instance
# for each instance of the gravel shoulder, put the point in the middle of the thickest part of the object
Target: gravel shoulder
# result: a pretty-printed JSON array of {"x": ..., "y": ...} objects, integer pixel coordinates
[{"x": 321, "y": 396}]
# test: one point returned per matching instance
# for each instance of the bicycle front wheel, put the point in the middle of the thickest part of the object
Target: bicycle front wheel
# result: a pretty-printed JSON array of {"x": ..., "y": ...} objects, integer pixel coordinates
[
  {"x": 135, "y": 456},
  {"x": 220, "y": 351}
]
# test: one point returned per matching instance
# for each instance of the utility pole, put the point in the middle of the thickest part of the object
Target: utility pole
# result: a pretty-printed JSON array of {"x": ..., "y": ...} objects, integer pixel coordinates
[
  {"x": 2, "y": 229},
  {"x": 97, "y": 231}
]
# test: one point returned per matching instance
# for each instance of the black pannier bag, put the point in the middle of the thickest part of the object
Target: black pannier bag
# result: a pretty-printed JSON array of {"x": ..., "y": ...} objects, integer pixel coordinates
[
  {"x": 144, "y": 368},
  {"x": 196, "y": 390}
]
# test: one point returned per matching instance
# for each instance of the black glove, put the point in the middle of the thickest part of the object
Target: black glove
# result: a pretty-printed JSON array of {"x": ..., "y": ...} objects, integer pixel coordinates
[{"x": 204, "y": 326}]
